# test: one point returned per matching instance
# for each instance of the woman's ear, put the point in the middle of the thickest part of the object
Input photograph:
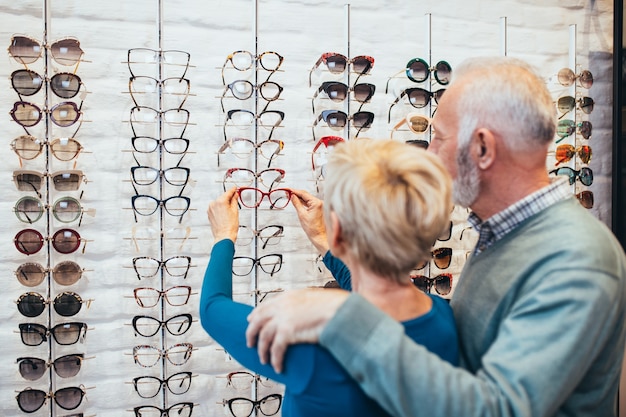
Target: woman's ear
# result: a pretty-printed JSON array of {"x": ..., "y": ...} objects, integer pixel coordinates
[{"x": 336, "y": 242}]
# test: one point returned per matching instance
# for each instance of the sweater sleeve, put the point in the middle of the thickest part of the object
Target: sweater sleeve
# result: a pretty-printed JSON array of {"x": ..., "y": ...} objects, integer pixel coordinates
[
  {"x": 226, "y": 322},
  {"x": 523, "y": 372},
  {"x": 340, "y": 271}
]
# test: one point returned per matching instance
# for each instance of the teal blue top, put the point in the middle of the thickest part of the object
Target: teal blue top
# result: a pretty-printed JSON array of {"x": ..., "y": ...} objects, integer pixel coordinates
[
  {"x": 540, "y": 315},
  {"x": 315, "y": 384}
]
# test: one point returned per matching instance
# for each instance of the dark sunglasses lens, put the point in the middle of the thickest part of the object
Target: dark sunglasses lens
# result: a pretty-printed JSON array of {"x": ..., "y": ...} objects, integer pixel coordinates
[
  {"x": 67, "y": 273},
  {"x": 30, "y": 274},
  {"x": 28, "y": 182},
  {"x": 446, "y": 234},
  {"x": 26, "y": 49},
  {"x": 28, "y": 241},
  {"x": 31, "y": 400},
  {"x": 68, "y": 366},
  {"x": 29, "y": 209},
  {"x": 443, "y": 284},
  {"x": 586, "y": 105},
  {"x": 335, "y": 91},
  {"x": 566, "y": 104},
  {"x": 26, "y": 82},
  {"x": 67, "y": 333},
  {"x": 418, "y": 97},
  {"x": 32, "y": 368},
  {"x": 67, "y": 304},
  {"x": 66, "y": 51},
  {"x": 419, "y": 143},
  {"x": 67, "y": 181},
  {"x": 417, "y": 70},
  {"x": 69, "y": 398},
  {"x": 567, "y": 171},
  {"x": 586, "y": 176},
  {"x": 31, "y": 304},
  {"x": 363, "y": 119},
  {"x": 443, "y": 72},
  {"x": 65, "y": 85},
  {"x": 422, "y": 282},
  {"x": 585, "y": 153},
  {"x": 585, "y": 129},
  {"x": 336, "y": 63},
  {"x": 586, "y": 199},
  {"x": 564, "y": 153},
  {"x": 364, "y": 92},
  {"x": 66, "y": 241},
  {"x": 586, "y": 79},
  {"x": 335, "y": 119},
  {"x": 32, "y": 334},
  {"x": 361, "y": 65},
  {"x": 442, "y": 257}
]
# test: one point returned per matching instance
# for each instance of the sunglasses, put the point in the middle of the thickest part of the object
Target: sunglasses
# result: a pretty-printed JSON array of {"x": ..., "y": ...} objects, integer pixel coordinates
[
  {"x": 567, "y": 77},
  {"x": 337, "y": 120},
  {"x": 243, "y": 90},
  {"x": 243, "y": 148},
  {"x": 34, "y": 334},
  {"x": 64, "y": 273},
  {"x": 175, "y": 296},
  {"x": 327, "y": 141},
  {"x": 442, "y": 283},
  {"x": 153, "y": 118},
  {"x": 144, "y": 175},
  {"x": 173, "y": 86},
  {"x": 177, "y": 410},
  {"x": 150, "y": 386},
  {"x": 441, "y": 257},
  {"x": 65, "y": 209},
  {"x": 446, "y": 234},
  {"x": 268, "y": 235},
  {"x": 148, "y": 356},
  {"x": 416, "y": 123},
  {"x": 244, "y": 177},
  {"x": 566, "y": 104},
  {"x": 31, "y": 400},
  {"x": 338, "y": 92},
  {"x": 29, "y": 147},
  {"x": 584, "y": 175},
  {"x": 565, "y": 153},
  {"x": 149, "y": 326},
  {"x": 244, "y": 407},
  {"x": 169, "y": 58},
  {"x": 418, "y": 71},
  {"x": 244, "y": 60},
  {"x": 27, "y": 83},
  {"x": 418, "y": 98},
  {"x": 26, "y": 50},
  {"x": 337, "y": 63},
  {"x": 253, "y": 197},
  {"x": 69, "y": 180},
  {"x": 176, "y": 266},
  {"x": 66, "y": 366},
  {"x": 270, "y": 264},
  {"x": 66, "y": 304},
  {"x": 62, "y": 114},
  {"x": 567, "y": 127},
  {"x": 146, "y": 205},
  {"x": 586, "y": 199},
  {"x": 30, "y": 241},
  {"x": 243, "y": 119}
]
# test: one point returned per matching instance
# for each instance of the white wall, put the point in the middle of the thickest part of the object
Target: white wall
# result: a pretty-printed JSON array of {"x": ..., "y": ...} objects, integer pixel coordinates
[{"x": 391, "y": 31}]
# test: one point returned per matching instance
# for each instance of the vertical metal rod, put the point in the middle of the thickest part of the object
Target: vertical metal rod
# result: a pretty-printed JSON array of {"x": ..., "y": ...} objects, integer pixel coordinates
[
  {"x": 503, "y": 36},
  {"x": 572, "y": 88},
  {"x": 348, "y": 57},
  {"x": 255, "y": 276}
]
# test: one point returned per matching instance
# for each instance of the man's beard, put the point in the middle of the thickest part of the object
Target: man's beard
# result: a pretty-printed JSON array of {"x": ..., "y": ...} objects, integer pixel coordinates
[{"x": 466, "y": 185}]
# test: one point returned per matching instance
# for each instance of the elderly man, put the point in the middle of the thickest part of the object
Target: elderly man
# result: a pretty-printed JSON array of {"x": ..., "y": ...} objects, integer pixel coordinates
[{"x": 540, "y": 303}]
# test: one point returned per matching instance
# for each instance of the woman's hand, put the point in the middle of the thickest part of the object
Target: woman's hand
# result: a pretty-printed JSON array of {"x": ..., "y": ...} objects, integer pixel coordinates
[{"x": 223, "y": 215}]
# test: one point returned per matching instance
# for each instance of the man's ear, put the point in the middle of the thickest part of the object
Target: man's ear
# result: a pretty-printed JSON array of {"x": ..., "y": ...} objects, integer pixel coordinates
[{"x": 484, "y": 148}]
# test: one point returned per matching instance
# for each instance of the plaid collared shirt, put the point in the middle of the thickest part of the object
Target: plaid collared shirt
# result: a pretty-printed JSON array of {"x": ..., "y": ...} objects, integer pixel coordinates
[{"x": 498, "y": 225}]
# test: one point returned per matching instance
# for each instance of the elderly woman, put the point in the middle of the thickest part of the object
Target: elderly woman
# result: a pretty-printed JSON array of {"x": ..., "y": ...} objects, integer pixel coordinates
[{"x": 385, "y": 204}]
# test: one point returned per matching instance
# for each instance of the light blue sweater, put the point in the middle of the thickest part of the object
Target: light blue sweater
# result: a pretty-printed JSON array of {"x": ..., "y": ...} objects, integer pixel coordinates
[{"x": 541, "y": 325}]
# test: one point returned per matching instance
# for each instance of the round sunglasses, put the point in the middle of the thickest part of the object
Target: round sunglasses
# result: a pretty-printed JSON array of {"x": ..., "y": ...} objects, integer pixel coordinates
[
  {"x": 66, "y": 304},
  {"x": 27, "y": 83},
  {"x": 64, "y": 273},
  {"x": 30, "y": 241}
]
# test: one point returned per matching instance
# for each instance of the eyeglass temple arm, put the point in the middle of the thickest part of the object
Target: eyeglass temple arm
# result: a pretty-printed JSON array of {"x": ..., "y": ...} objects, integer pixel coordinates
[
  {"x": 319, "y": 61},
  {"x": 389, "y": 79},
  {"x": 393, "y": 104}
]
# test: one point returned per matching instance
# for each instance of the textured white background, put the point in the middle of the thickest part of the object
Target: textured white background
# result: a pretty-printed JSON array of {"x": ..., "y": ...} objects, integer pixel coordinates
[{"x": 391, "y": 31}]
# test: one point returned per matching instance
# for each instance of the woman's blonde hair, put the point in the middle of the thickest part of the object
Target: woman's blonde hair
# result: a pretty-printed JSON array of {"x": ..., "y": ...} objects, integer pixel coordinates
[{"x": 392, "y": 201}]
